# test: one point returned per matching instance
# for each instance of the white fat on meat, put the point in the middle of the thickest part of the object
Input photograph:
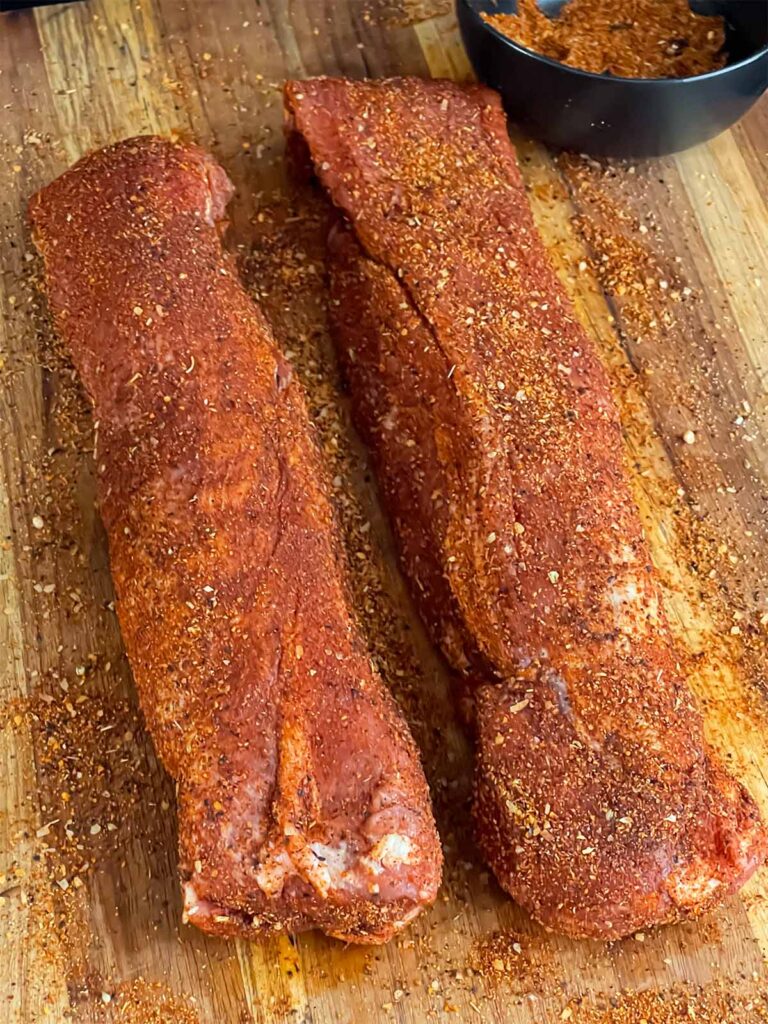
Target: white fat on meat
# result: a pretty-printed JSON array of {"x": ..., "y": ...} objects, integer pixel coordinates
[
  {"x": 693, "y": 885},
  {"x": 329, "y": 867},
  {"x": 390, "y": 851}
]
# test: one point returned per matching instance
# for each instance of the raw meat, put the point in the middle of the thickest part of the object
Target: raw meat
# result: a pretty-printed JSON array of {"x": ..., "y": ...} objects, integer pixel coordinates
[
  {"x": 302, "y": 803},
  {"x": 499, "y": 454}
]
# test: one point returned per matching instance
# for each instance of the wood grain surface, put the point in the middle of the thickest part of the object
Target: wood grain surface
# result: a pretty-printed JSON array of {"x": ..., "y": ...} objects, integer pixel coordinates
[{"x": 666, "y": 262}]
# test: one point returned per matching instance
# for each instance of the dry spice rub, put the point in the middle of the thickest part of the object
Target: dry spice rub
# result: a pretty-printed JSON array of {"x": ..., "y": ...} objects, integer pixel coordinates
[
  {"x": 628, "y": 38},
  {"x": 302, "y": 802},
  {"x": 498, "y": 449}
]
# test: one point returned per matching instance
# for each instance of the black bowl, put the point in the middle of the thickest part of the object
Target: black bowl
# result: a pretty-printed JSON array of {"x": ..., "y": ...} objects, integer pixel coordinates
[{"x": 612, "y": 116}]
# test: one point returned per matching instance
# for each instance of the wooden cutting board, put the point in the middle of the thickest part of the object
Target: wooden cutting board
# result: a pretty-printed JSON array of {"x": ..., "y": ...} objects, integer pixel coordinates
[{"x": 666, "y": 262}]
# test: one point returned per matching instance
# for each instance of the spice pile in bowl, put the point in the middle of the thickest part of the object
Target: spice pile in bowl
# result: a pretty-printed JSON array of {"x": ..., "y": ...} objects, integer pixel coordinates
[{"x": 627, "y": 38}]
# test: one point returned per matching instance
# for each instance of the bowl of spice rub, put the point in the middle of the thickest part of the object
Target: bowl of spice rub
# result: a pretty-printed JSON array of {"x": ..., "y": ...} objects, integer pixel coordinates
[{"x": 628, "y": 78}]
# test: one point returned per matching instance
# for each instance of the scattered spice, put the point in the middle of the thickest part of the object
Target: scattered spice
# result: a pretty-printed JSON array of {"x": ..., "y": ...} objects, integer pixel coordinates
[
  {"x": 643, "y": 282},
  {"x": 93, "y": 764},
  {"x": 712, "y": 1004},
  {"x": 144, "y": 1002},
  {"x": 521, "y": 961},
  {"x": 629, "y": 38}
]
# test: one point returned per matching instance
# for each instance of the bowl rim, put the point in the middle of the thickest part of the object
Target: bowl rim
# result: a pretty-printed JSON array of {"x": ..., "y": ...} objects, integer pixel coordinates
[{"x": 601, "y": 77}]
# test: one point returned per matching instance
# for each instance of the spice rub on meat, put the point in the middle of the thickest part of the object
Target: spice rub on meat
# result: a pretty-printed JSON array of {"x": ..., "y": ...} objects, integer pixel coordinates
[
  {"x": 499, "y": 454},
  {"x": 302, "y": 803}
]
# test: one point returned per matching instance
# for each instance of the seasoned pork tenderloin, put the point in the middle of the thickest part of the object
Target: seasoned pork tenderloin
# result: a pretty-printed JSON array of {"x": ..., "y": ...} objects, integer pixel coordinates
[
  {"x": 499, "y": 454},
  {"x": 301, "y": 800}
]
